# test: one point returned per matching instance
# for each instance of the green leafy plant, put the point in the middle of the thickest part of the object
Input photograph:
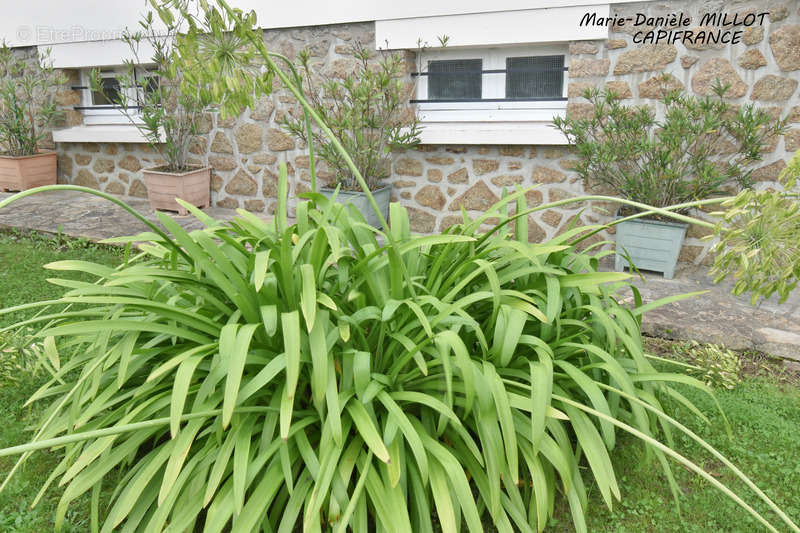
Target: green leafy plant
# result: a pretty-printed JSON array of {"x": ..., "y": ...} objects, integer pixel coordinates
[
  {"x": 27, "y": 100},
  {"x": 19, "y": 355},
  {"x": 686, "y": 149},
  {"x": 12, "y": 360},
  {"x": 368, "y": 112},
  {"x": 259, "y": 376}
]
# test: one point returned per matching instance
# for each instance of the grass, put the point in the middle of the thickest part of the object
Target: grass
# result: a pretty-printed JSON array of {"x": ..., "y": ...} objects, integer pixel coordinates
[
  {"x": 22, "y": 280},
  {"x": 764, "y": 412}
]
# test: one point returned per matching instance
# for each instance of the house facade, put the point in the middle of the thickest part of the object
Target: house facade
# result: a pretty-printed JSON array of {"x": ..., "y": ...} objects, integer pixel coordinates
[{"x": 486, "y": 118}]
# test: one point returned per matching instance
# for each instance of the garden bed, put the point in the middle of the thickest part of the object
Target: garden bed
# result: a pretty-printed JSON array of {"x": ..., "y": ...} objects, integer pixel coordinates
[{"x": 764, "y": 412}]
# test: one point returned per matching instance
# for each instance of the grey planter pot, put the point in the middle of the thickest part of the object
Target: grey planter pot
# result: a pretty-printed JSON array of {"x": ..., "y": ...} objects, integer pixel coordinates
[
  {"x": 651, "y": 245},
  {"x": 359, "y": 201}
]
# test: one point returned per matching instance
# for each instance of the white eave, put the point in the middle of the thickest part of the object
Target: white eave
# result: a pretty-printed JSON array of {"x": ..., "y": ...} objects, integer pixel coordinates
[
  {"x": 524, "y": 26},
  {"x": 96, "y": 54},
  {"x": 47, "y": 22}
]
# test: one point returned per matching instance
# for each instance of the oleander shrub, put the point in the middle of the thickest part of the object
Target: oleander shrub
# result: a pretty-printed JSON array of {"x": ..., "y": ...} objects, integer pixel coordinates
[
  {"x": 258, "y": 376},
  {"x": 151, "y": 99},
  {"x": 685, "y": 148},
  {"x": 28, "y": 107},
  {"x": 367, "y": 111}
]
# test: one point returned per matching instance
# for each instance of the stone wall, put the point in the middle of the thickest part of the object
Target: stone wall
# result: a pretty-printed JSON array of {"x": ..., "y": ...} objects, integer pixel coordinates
[
  {"x": 764, "y": 68},
  {"x": 110, "y": 167},
  {"x": 434, "y": 181},
  {"x": 244, "y": 152}
]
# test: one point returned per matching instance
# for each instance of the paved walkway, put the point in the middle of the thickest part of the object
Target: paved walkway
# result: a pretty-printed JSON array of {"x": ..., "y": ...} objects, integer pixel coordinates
[
  {"x": 720, "y": 317},
  {"x": 82, "y": 215},
  {"x": 714, "y": 317}
]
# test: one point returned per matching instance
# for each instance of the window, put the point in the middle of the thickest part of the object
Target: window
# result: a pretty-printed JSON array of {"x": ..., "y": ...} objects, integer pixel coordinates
[
  {"x": 98, "y": 107},
  {"x": 456, "y": 79},
  {"x": 535, "y": 78},
  {"x": 512, "y": 91}
]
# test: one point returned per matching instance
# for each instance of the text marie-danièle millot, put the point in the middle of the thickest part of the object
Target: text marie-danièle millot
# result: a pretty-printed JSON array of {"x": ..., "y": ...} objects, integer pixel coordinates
[{"x": 713, "y": 28}]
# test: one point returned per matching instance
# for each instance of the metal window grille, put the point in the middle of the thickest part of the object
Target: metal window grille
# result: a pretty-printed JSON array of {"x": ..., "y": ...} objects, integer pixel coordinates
[
  {"x": 455, "y": 79},
  {"x": 112, "y": 91},
  {"x": 528, "y": 78},
  {"x": 534, "y": 77}
]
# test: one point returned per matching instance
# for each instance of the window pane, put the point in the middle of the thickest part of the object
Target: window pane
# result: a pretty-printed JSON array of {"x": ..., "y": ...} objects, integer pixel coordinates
[
  {"x": 534, "y": 77},
  {"x": 458, "y": 79},
  {"x": 110, "y": 93}
]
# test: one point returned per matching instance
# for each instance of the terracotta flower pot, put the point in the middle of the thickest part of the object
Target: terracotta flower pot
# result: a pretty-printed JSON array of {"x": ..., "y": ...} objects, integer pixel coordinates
[
  {"x": 28, "y": 171},
  {"x": 192, "y": 186}
]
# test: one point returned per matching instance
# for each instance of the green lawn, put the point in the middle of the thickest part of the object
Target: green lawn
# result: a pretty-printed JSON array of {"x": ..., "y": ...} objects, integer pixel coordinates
[
  {"x": 765, "y": 418},
  {"x": 22, "y": 280},
  {"x": 764, "y": 412}
]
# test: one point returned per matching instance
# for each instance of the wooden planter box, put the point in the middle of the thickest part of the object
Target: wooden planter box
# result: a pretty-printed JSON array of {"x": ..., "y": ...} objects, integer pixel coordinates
[
  {"x": 360, "y": 201},
  {"x": 651, "y": 245},
  {"x": 28, "y": 171},
  {"x": 192, "y": 186}
]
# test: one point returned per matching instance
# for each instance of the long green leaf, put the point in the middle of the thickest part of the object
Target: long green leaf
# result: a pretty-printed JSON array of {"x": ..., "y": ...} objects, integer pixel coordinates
[
  {"x": 236, "y": 362},
  {"x": 366, "y": 428}
]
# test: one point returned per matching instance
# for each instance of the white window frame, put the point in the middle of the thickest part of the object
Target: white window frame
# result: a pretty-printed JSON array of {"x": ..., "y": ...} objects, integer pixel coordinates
[
  {"x": 109, "y": 115},
  {"x": 493, "y": 86},
  {"x": 510, "y": 122}
]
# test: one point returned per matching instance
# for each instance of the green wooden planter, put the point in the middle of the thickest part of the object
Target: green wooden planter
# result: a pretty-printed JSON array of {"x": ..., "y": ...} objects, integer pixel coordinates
[
  {"x": 650, "y": 244},
  {"x": 359, "y": 201}
]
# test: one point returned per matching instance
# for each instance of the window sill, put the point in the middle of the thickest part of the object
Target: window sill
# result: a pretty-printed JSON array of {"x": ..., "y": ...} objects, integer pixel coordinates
[
  {"x": 100, "y": 134},
  {"x": 539, "y": 133}
]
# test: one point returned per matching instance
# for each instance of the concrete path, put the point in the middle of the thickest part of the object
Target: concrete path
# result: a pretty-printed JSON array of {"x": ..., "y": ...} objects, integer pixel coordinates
[
  {"x": 715, "y": 317},
  {"x": 720, "y": 317},
  {"x": 82, "y": 215}
]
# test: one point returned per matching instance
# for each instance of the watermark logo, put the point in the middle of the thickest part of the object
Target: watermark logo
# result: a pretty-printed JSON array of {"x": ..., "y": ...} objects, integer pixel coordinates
[
  {"x": 51, "y": 34},
  {"x": 25, "y": 34}
]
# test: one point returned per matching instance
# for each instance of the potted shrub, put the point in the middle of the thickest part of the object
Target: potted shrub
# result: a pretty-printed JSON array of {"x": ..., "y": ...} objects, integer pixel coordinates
[
  {"x": 166, "y": 113},
  {"x": 686, "y": 149},
  {"x": 27, "y": 111},
  {"x": 368, "y": 112}
]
